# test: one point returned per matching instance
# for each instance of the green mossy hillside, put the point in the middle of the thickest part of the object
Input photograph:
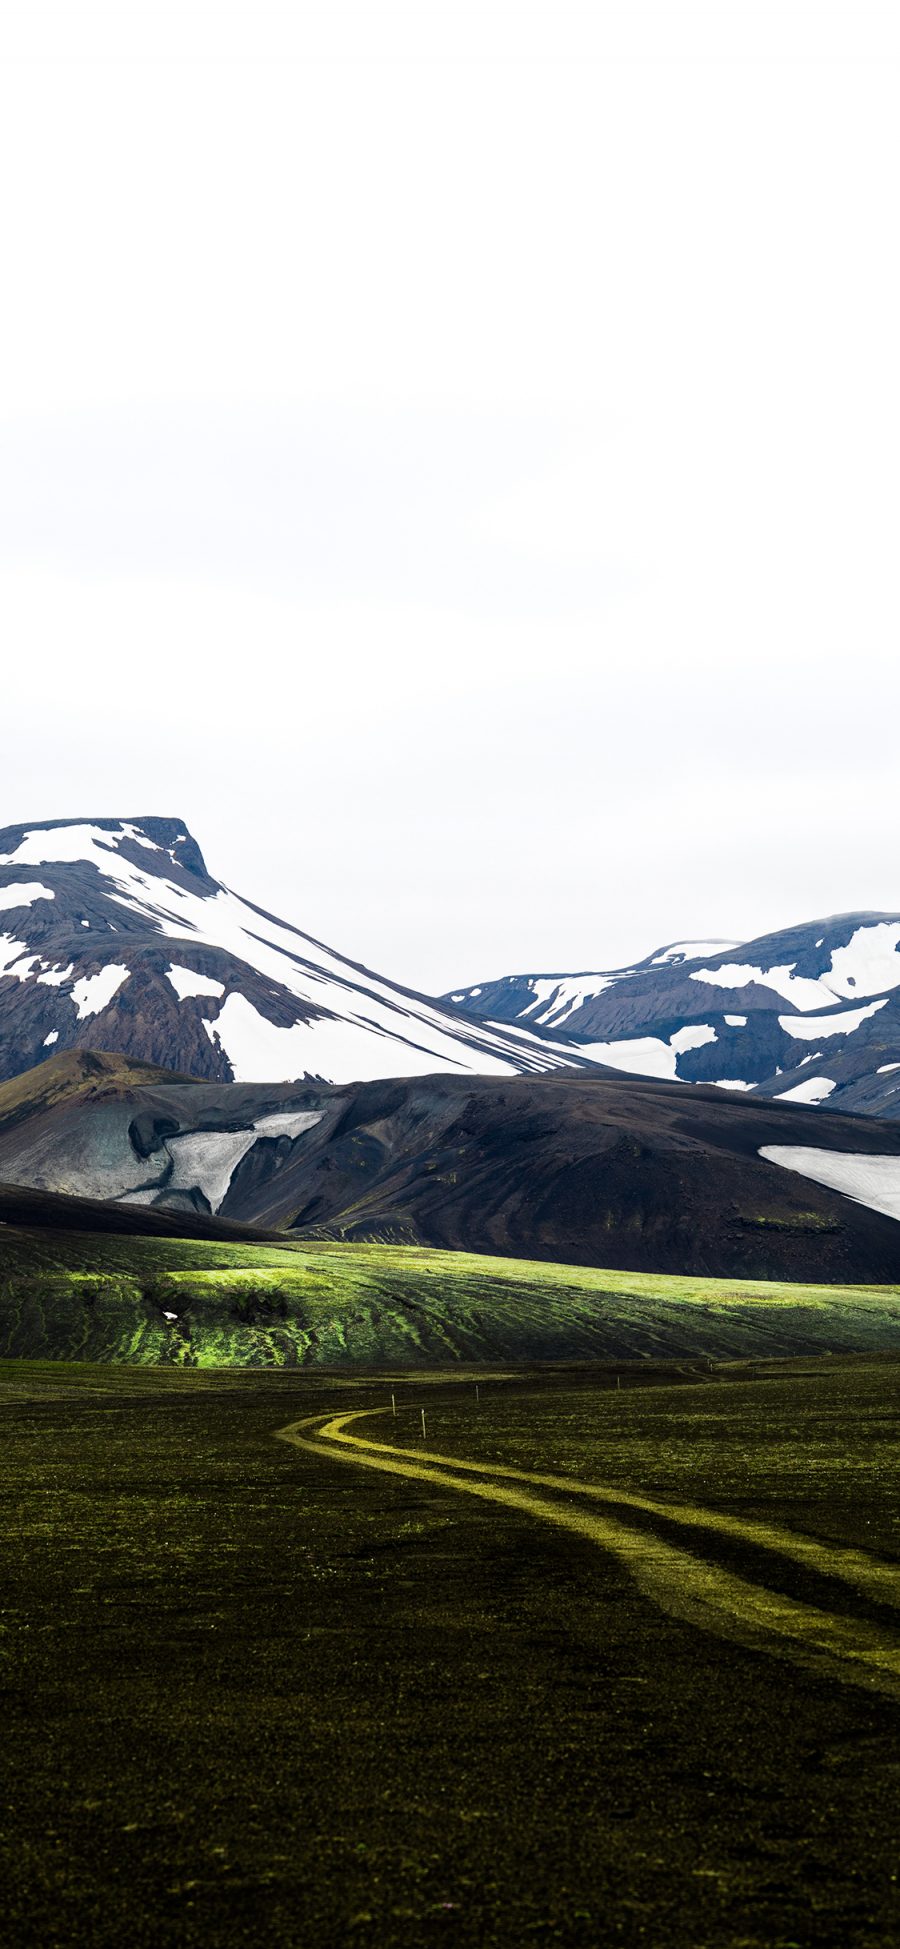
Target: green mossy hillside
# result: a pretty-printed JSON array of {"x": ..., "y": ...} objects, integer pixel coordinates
[{"x": 189, "y": 1303}]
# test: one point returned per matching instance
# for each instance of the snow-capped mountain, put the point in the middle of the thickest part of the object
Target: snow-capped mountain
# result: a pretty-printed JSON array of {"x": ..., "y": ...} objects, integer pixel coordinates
[
  {"x": 114, "y": 936},
  {"x": 809, "y": 1015}
]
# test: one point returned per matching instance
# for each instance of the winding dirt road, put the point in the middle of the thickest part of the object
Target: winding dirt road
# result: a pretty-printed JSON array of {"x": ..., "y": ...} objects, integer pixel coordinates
[{"x": 858, "y": 1649}]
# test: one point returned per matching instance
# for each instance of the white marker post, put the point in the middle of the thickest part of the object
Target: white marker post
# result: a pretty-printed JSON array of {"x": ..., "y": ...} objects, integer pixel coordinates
[
  {"x": 423, "y": 1424},
  {"x": 394, "y": 1406},
  {"x": 477, "y": 1395}
]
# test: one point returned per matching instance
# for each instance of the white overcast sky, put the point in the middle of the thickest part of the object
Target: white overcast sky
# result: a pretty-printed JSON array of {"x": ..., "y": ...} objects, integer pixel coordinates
[{"x": 450, "y": 455}]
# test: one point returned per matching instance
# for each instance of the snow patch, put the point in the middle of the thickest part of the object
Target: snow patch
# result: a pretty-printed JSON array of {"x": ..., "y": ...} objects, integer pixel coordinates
[
  {"x": 48, "y": 1039},
  {"x": 649, "y": 1055},
  {"x": 732, "y": 1083},
  {"x": 872, "y": 1181},
  {"x": 556, "y": 997},
  {"x": 869, "y": 963},
  {"x": 93, "y": 992},
  {"x": 813, "y": 1089},
  {"x": 887, "y": 1068},
  {"x": 11, "y": 953},
  {"x": 736, "y": 1021},
  {"x": 24, "y": 893},
  {"x": 140, "y": 838},
  {"x": 810, "y": 1027},
  {"x": 54, "y": 977},
  {"x": 793, "y": 988},
  {"x": 690, "y": 951},
  {"x": 286, "y": 1123},
  {"x": 359, "y": 1050},
  {"x": 186, "y": 983},
  {"x": 693, "y": 1036},
  {"x": 66, "y": 844},
  {"x": 207, "y": 1159}
]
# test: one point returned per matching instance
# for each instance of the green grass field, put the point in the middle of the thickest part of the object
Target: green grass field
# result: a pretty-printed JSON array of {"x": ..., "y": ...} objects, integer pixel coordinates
[
  {"x": 83, "y": 1297},
  {"x": 254, "y": 1695}
]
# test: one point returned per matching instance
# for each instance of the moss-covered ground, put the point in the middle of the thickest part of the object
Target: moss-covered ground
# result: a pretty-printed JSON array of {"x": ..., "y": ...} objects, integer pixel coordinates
[
  {"x": 78, "y": 1296},
  {"x": 252, "y": 1695}
]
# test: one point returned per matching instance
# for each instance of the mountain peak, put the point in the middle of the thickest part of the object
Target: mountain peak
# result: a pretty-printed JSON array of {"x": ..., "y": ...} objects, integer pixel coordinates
[
  {"x": 114, "y": 937},
  {"x": 45, "y": 842}
]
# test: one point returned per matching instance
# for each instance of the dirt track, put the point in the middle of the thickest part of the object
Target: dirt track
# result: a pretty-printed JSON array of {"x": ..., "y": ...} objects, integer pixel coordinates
[{"x": 690, "y": 1586}]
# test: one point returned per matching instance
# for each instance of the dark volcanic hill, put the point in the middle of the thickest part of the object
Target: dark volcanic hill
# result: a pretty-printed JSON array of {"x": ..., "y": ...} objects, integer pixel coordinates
[
  {"x": 590, "y": 1170},
  {"x": 114, "y": 936},
  {"x": 809, "y": 1015},
  {"x": 38, "y": 1212}
]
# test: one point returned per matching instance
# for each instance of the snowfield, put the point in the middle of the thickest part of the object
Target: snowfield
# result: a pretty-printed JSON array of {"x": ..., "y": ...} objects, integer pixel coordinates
[
  {"x": 11, "y": 957},
  {"x": 845, "y": 1022},
  {"x": 206, "y": 1160},
  {"x": 869, "y": 964},
  {"x": 92, "y": 992},
  {"x": 799, "y": 989},
  {"x": 23, "y": 893},
  {"x": 649, "y": 1055},
  {"x": 556, "y": 997},
  {"x": 872, "y": 1181},
  {"x": 260, "y": 1051},
  {"x": 813, "y": 1089},
  {"x": 187, "y": 984}
]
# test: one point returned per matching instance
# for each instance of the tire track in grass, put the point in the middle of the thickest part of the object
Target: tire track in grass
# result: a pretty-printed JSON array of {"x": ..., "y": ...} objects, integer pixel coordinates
[
  {"x": 857, "y": 1568},
  {"x": 686, "y": 1586}
]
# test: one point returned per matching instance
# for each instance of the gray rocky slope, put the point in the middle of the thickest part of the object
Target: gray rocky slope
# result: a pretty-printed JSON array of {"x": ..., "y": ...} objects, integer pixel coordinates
[
  {"x": 810, "y": 1015},
  {"x": 586, "y": 1169}
]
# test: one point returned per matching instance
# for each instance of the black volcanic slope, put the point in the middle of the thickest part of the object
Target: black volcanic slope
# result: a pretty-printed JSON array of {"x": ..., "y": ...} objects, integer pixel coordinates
[
  {"x": 591, "y": 1170},
  {"x": 48, "y": 1211}
]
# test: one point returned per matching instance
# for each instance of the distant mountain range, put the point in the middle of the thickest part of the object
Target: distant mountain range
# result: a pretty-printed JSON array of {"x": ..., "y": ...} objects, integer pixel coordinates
[
  {"x": 114, "y": 936},
  {"x": 809, "y": 1015},
  {"x": 593, "y": 1170}
]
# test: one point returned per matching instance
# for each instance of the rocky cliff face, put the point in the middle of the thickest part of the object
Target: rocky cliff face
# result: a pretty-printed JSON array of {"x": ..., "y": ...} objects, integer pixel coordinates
[{"x": 114, "y": 935}]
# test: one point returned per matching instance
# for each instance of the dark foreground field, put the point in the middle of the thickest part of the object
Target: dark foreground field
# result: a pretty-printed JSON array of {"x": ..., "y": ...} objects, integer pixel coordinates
[{"x": 254, "y": 1692}]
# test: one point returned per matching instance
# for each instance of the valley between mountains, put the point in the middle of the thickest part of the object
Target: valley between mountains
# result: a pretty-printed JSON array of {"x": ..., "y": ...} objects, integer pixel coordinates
[
  {"x": 181, "y": 1066},
  {"x": 453, "y": 1442}
]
